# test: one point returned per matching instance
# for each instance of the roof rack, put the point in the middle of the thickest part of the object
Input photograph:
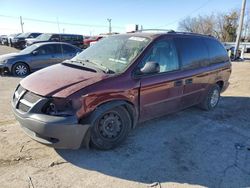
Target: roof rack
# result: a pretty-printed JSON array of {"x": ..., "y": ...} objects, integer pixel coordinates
[
  {"x": 157, "y": 30},
  {"x": 172, "y": 31},
  {"x": 191, "y": 33}
]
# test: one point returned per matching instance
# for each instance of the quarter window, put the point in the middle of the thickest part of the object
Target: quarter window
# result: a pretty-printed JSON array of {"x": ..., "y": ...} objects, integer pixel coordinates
[{"x": 217, "y": 52}]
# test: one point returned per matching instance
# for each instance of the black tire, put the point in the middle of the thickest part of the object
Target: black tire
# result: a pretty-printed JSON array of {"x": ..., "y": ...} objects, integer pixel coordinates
[
  {"x": 110, "y": 128},
  {"x": 212, "y": 99},
  {"x": 20, "y": 69}
]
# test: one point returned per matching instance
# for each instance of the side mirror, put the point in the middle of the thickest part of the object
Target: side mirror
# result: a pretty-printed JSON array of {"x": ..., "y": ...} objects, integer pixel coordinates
[
  {"x": 35, "y": 52},
  {"x": 150, "y": 67}
]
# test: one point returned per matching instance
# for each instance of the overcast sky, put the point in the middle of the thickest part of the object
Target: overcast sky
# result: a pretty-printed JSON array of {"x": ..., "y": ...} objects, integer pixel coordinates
[{"x": 90, "y": 17}]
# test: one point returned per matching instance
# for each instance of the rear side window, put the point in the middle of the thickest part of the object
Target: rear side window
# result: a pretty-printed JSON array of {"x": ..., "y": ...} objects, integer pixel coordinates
[
  {"x": 217, "y": 52},
  {"x": 192, "y": 51},
  {"x": 68, "y": 49},
  {"x": 66, "y": 38}
]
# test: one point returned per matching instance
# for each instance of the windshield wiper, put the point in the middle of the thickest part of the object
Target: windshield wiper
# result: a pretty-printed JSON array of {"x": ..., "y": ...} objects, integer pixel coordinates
[
  {"x": 77, "y": 61},
  {"x": 100, "y": 66}
]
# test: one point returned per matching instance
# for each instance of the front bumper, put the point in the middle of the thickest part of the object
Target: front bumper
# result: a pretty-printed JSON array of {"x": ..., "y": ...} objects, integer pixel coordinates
[
  {"x": 3, "y": 69},
  {"x": 19, "y": 44},
  {"x": 62, "y": 132},
  {"x": 58, "y": 132}
]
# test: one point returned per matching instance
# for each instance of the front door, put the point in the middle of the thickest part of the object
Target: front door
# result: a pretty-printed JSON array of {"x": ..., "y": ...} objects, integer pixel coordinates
[
  {"x": 161, "y": 93},
  {"x": 44, "y": 57}
]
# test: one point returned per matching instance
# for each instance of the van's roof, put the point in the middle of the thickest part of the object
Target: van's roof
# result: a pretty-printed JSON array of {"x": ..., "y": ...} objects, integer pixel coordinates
[{"x": 154, "y": 35}]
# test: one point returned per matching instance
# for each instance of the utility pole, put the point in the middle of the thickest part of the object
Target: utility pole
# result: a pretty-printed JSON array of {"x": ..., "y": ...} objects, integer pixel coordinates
[
  {"x": 21, "y": 22},
  {"x": 242, "y": 13},
  {"x": 110, "y": 28}
]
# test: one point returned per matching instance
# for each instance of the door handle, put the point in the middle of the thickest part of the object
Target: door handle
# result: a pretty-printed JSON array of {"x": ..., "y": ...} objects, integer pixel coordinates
[
  {"x": 178, "y": 83},
  {"x": 189, "y": 81}
]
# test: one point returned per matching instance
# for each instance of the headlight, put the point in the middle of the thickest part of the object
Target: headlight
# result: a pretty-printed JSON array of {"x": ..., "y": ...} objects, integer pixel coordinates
[
  {"x": 61, "y": 107},
  {"x": 3, "y": 61}
]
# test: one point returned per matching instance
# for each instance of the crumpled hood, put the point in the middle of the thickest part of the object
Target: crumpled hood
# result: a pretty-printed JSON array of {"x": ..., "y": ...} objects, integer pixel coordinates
[{"x": 60, "y": 80}]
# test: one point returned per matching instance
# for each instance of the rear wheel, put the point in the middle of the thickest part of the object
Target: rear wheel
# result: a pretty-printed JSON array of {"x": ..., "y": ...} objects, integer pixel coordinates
[
  {"x": 110, "y": 128},
  {"x": 20, "y": 69},
  {"x": 212, "y": 99}
]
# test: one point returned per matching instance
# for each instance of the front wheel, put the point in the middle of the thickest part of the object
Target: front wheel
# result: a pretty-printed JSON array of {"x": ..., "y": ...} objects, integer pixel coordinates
[
  {"x": 20, "y": 69},
  {"x": 212, "y": 99},
  {"x": 110, "y": 128}
]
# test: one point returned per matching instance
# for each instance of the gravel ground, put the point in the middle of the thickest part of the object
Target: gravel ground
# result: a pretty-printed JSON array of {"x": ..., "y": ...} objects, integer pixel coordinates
[{"x": 192, "y": 148}]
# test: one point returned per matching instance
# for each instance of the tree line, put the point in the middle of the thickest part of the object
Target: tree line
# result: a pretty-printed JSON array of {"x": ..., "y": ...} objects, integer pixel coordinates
[{"x": 220, "y": 25}]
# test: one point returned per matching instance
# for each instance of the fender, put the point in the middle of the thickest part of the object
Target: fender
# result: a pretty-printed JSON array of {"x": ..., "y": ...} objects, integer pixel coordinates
[
  {"x": 104, "y": 107},
  {"x": 112, "y": 104}
]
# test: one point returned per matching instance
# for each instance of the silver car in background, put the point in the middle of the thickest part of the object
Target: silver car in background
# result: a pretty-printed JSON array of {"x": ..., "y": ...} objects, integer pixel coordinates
[{"x": 36, "y": 56}]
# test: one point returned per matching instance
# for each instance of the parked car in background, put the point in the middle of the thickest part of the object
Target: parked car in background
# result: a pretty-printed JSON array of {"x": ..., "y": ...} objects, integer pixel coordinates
[
  {"x": 231, "y": 53},
  {"x": 19, "y": 41},
  {"x": 37, "y": 56},
  {"x": 4, "y": 40},
  {"x": 11, "y": 37},
  {"x": 119, "y": 81},
  {"x": 1, "y": 36},
  {"x": 73, "y": 39},
  {"x": 87, "y": 41}
]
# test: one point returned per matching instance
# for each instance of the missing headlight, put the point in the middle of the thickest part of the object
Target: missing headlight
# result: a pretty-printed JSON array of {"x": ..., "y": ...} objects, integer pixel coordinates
[{"x": 59, "y": 107}]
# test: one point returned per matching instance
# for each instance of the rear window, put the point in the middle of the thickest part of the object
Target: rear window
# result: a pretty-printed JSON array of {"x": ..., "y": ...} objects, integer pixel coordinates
[
  {"x": 217, "y": 52},
  {"x": 192, "y": 51}
]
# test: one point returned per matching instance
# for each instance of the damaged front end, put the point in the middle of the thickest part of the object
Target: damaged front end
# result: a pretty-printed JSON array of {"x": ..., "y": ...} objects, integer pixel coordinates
[{"x": 51, "y": 121}]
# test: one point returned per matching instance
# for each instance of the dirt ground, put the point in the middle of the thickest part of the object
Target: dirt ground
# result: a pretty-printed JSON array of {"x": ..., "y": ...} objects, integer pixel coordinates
[{"x": 192, "y": 148}]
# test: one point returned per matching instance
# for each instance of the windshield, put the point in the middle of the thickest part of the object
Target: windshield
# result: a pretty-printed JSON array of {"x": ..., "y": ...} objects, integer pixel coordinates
[
  {"x": 29, "y": 49},
  {"x": 114, "y": 52},
  {"x": 44, "y": 37},
  {"x": 23, "y": 35}
]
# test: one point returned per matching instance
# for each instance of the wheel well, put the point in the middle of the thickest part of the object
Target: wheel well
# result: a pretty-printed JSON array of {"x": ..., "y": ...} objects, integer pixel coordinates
[
  {"x": 133, "y": 112},
  {"x": 20, "y": 62},
  {"x": 220, "y": 84}
]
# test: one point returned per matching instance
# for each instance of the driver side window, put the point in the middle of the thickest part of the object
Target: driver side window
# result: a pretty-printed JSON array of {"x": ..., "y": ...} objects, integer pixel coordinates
[
  {"x": 45, "y": 50},
  {"x": 164, "y": 53}
]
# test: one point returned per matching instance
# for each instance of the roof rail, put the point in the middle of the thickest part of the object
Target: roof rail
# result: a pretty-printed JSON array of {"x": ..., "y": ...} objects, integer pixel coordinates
[
  {"x": 157, "y": 30},
  {"x": 192, "y": 33}
]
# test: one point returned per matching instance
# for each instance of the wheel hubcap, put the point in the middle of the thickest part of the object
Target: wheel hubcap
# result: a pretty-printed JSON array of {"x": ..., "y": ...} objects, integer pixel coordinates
[
  {"x": 214, "y": 98},
  {"x": 21, "y": 70},
  {"x": 110, "y": 126}
]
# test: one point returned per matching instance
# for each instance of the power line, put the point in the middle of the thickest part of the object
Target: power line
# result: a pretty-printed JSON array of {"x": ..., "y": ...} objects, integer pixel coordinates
[
  {"x": 55, "y": 22},
  {"x": 195, "y": 10}
]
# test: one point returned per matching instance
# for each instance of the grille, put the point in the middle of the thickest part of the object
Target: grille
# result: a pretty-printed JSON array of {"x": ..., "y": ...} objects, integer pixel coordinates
[
  {"x": 25, "y": 99},
  {"x": 31, "y": 97},
  {"x": 20, "y": 89},
  {"x": 23, "y": 107}
]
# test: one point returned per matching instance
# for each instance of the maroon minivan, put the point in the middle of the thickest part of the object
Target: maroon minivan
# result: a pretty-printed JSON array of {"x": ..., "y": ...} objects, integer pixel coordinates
[{"x": 102, "y": 93}]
